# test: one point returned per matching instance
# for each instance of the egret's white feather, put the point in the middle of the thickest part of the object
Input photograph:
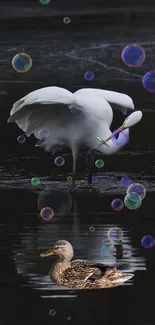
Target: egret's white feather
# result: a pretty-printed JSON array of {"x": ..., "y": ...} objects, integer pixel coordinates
[
  {"x": 71, "y": 119},
  {"x": 111, "y": 96}
]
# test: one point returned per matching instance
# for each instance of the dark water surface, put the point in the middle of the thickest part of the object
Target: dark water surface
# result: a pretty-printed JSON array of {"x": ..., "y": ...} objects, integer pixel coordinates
[
  {"x": 25, "y": 285},
  {"x": 61, "y": 55}
]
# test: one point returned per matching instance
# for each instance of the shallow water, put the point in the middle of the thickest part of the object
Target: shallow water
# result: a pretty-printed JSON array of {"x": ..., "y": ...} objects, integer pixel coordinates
[{"x": 28, "y": 235}]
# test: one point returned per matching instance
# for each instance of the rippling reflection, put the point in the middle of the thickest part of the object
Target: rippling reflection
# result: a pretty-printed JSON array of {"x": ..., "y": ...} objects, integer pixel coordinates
[
  {"x": 90, "y": 209},
  {"x": 87, "y": 246}
]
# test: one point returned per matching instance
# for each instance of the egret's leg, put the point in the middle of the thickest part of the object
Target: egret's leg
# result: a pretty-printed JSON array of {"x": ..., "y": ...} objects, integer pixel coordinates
[
  {"x": 74, "y": 154},
  {"x": 90, "y": 172}
]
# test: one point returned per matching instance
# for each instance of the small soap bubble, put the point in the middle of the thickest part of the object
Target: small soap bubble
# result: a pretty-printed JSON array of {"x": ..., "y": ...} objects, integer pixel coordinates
[
  {"x": 120, "y": 139},
  {"x": 117, "y": 204},
  {"x": 59, "y": 161},
  {"x": 99, "y": 163},
  {"x": 148, "y": 241},
  {"x": 69, "y": 178},
  {"x": 149, "y": 81},
  {"x": 21, "y": 139},
  {"x": 52, "y": 312},
  {"x": 22, "y": 62},
  {"x": 137, "y": 188},
  {"x": 46, "y": 213},
  {"x": 127, "y": 253},
  {"x": 92, "y": 228},
  {"x": 115, "y": 234},
  {"x": 35, "y": 181},
  {"x": 89, "y": 75},
  {"x": 68, "y": 318},
  {"x": 93, "y": 179},
  {"x": 44, "y": 2},
  {"x": 126, "y": 181},
  {"x": 132, "y": 201},
  {"x": 43, "y": 133},
  {"x": 66, "y": 20},
  {"x": 133, "y": 55}
]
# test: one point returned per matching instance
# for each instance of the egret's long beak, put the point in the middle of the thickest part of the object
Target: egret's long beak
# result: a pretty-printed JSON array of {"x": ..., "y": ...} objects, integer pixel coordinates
[
  {"x": 48, "y": 253},
  {"x": 121, "y": 128}
]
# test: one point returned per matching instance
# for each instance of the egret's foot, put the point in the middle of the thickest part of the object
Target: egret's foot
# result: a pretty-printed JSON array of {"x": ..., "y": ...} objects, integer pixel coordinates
[
  {"x": 90, "y": 175},
  {"x": 73, "y": 184},
  {"x": 73, "y": 181}
]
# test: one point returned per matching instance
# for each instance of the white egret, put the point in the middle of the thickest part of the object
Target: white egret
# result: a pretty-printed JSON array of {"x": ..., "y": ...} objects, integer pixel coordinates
[{"x": 71, "y": 119}]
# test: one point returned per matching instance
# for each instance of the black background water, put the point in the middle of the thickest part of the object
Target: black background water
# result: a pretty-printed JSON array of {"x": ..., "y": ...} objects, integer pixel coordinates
[{"x": 61, "y": 55}]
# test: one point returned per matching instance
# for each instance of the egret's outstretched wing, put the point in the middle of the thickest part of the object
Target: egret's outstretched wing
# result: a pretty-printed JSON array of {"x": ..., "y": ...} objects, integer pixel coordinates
[
  {"x": 47, "y": 108},
  {"x": 43, "y": 96},
  {"x": 66, "y": 117},
  {"x": 119, "y": 100}
]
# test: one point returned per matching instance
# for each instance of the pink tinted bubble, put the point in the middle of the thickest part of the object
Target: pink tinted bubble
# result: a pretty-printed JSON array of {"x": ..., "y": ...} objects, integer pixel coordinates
[{"x": 117, "y": 204}]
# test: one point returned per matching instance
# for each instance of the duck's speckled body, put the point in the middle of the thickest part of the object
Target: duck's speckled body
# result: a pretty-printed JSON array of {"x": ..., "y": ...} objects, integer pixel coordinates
[{"x": 82, "y": 274}]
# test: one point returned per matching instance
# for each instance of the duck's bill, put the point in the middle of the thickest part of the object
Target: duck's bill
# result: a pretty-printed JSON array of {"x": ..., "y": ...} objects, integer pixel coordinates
[
  {"x": 120, "y": 129},
  {"x": 48, "y": 253}
]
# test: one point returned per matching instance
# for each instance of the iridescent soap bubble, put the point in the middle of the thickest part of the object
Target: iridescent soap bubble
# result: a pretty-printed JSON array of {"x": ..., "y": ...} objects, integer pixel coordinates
[
  {"x": 66, "y": 20},
  {"x": 120, "y": 139},
  {"x": 105, "y": 249},
  {"x": 21, "y": 139},
  {"x": 149, "y": 81},
  {"x": 99, "y": 163},
  {"x": 69, "y": 178},
  {"x": 148, "y": 241},
  {"x": 132, "y": 201},
  {"x": 59, "y": 200},
  {"x": 35, "y": 181},
  {"x": 127, "y": 253},
  {"x": 133, "y": 55},
  {"x": 47, "y": 213},
  {"x": 43, "y": 133},
  {"x": 115, "y": 234},
  {"x": 126, "y": 181},
  {"x": 22, "y": 62},
  {"x": 106, "y": 246},
  {"x": 92, "y": 228},
  {"x": 59, "y": 161},
  {"x": 137, "y": 188},
  {"x": 52, "y": 312},
  {"x": 44, "y": 2},
  {"x": 89, "y": 75},
  {"x": 117, "y": 204}
]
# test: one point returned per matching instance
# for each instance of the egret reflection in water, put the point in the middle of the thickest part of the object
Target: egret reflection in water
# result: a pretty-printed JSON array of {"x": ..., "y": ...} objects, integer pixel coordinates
[{"x": 59, "y": 200}]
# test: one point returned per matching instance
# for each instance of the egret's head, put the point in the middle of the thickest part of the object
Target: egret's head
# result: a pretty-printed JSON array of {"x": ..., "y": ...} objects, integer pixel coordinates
[
  {"x": 130, "y": 121},
  {"x": 61, "y": 248}
]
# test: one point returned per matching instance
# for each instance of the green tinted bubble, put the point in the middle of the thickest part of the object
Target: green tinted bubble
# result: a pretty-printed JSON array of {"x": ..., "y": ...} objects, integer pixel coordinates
[
  {"x": 99, "y": 163},
  {"x": 44, "y": 2},
  {"x": 132, "y": 201},
  {"x": 35, "y": 181}
]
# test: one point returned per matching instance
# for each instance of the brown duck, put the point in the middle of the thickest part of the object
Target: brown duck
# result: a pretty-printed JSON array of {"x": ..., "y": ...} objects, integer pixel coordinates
[{"x": 82, "y": 274}]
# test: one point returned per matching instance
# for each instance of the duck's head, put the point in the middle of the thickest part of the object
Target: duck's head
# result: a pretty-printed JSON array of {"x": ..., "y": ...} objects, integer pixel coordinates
[{"x": 61, "y": 248}]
